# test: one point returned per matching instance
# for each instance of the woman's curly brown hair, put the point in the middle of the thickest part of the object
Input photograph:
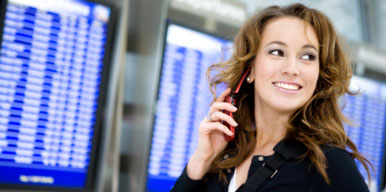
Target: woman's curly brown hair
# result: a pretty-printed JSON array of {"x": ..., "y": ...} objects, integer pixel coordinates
[{"x": 319, "y": 121}]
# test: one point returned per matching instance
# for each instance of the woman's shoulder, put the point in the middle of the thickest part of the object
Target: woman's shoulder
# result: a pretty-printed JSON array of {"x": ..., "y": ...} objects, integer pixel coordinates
[
  {"x": 333, "y": 153},
  {"x": 339, "y": 160},
  {"x": 341, "y": 170}
]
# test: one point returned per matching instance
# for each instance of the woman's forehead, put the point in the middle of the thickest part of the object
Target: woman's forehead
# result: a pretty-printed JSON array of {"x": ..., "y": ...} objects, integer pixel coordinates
[{"x": 289, "y": 30}]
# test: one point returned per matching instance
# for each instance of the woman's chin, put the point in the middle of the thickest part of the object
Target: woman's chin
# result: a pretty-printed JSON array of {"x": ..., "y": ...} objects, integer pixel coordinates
[{"x": 286, "y": 107}]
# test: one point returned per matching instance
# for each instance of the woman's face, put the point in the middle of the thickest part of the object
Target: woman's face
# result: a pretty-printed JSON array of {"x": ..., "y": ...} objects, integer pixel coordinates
[{"x": 286, "y": 67}]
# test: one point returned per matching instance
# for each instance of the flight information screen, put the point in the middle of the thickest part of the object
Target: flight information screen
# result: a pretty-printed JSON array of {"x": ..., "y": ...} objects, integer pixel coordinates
[
  {"x": 367, "y": 113},
  {"x": 184, "y": 98},
  {"x": 51, "y": 63}
]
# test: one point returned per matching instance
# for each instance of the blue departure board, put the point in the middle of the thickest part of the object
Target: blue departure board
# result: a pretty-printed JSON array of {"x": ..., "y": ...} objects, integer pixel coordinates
[
  {"x": 367, "y": 112},
  {"x": 184, "y": 98},
  {"x": 183, "y": 101},
  {"x": 51, "y": 62}
]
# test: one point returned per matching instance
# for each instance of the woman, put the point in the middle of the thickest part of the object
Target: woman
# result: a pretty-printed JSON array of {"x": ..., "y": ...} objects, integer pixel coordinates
[{"x": 286, "y": 110}]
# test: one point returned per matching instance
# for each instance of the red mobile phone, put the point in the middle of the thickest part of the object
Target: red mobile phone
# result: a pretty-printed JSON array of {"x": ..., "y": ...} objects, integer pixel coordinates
[{"x": 232, "y": 100}]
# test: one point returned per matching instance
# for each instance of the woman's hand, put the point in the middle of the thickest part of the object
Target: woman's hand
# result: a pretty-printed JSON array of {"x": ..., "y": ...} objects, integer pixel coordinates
[{"x": 211, "y": 140}]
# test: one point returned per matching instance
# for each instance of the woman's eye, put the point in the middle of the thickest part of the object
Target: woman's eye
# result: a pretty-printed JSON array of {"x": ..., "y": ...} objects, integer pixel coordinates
[
  {"x": 277, "y": 52},
  {"x": 309, "y": 57}
]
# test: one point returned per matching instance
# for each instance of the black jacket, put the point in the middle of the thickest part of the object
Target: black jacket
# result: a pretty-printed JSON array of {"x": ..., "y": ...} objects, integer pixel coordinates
[{"x": 293, "y": 175}]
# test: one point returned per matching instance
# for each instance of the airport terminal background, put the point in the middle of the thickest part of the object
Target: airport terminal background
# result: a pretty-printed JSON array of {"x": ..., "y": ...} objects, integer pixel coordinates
[{"x": 107, "y": 95}]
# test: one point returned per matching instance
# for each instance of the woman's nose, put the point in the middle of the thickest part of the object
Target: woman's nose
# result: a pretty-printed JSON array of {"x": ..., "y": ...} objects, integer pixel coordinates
[{"x": 290, "y": 67}]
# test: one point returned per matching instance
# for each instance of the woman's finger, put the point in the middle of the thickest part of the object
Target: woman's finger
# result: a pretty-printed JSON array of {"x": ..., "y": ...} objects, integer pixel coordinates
[
  {"x": 220, "y": 116},
  {"x": 212, "y": 126},
  {"x": 221, "y": 106},
  {"x": 223, "y": 95}
]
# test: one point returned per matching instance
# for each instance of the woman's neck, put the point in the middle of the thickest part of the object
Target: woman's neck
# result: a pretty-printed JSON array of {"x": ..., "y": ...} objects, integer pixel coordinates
[{"x": 270, "y": 129}]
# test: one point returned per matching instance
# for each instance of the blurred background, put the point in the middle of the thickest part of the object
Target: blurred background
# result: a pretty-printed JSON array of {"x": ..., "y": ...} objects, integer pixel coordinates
[{"x": 107, "y": 95}]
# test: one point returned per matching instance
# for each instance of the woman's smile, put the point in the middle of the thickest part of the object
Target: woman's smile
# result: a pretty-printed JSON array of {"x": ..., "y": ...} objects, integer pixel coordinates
[{"x": 287, "y": 87}]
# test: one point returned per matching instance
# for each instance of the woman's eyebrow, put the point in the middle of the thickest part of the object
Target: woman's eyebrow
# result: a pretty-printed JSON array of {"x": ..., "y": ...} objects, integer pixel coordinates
[
  {"x": 276, "y": 42},
  {"x": 310, "y": 46},
  {"x": 283, "y": 44}
]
